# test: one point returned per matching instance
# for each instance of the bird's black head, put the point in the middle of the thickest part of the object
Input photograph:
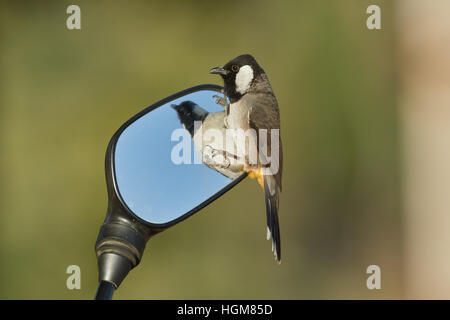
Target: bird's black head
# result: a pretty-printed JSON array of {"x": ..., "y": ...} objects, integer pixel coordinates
[
  {"x": 189, "y": 112},
  {"x": 238, "y": 75}
]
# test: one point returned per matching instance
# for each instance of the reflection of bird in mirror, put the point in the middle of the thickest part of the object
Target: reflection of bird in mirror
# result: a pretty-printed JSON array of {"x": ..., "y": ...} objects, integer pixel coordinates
[
  {"x": 253, "y": 106},
  {"x": 211, "y": 149}
]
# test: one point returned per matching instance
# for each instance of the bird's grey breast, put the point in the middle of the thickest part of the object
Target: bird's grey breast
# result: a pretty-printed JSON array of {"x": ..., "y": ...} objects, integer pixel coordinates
[{"x": 239, "y": 112}]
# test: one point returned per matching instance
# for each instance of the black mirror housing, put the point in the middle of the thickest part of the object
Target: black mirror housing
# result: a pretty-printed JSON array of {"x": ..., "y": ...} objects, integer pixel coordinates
[{"x": 124, "y": 234}]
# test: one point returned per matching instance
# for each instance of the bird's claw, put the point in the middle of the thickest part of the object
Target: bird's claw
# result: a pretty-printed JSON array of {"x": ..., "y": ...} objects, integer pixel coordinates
[
  {"x": 215, "y": 157},
  {"x": 207, "y": 154},
  {"x": 221, "y": 100}
]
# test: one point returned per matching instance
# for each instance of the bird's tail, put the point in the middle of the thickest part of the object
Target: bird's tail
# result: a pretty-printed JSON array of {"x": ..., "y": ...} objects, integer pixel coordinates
[{"x": 271, "y": 194}]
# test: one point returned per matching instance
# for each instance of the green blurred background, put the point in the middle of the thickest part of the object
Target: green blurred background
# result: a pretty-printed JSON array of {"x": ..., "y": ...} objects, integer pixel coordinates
[{"x": 64, "y": 93}]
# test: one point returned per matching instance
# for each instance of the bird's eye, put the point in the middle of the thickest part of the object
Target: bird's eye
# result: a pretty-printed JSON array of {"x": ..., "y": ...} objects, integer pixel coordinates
[{"x": 235, "y": 68}]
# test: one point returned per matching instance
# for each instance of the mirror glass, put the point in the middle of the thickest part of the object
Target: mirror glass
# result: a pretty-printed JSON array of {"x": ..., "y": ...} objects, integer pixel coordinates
[{"x": 160, "y": 172}]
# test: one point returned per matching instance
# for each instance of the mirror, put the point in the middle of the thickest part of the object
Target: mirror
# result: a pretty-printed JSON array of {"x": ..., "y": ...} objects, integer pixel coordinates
[{"x": 161, "y": 171}]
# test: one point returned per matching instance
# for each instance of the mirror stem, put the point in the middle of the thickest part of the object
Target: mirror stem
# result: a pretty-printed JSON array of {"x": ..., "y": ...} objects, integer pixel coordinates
[
  {"x": 119, "y": 249},
  {"x": 105, "y": 291}
]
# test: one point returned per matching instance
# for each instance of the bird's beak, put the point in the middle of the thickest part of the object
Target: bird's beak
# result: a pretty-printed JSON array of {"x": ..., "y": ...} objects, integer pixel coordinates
[{"x": 219, "y": 70}]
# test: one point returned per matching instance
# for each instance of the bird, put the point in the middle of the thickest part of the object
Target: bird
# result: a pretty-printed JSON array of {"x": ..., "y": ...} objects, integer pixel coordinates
[
  {"x": 213, "y": 152},
  {"x": 253, "y": 105}
]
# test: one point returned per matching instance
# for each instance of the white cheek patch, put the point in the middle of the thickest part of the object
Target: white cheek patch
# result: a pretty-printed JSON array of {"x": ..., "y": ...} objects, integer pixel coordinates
[{"x": 243, "y": 79}]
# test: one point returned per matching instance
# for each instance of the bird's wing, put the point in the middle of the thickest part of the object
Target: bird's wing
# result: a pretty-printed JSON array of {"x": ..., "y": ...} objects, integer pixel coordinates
[{"x": 264, "y": 114}]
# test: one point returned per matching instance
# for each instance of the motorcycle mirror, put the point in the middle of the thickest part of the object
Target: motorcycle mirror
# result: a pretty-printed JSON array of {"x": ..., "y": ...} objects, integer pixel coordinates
[{"x": 156, "y": 177}]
